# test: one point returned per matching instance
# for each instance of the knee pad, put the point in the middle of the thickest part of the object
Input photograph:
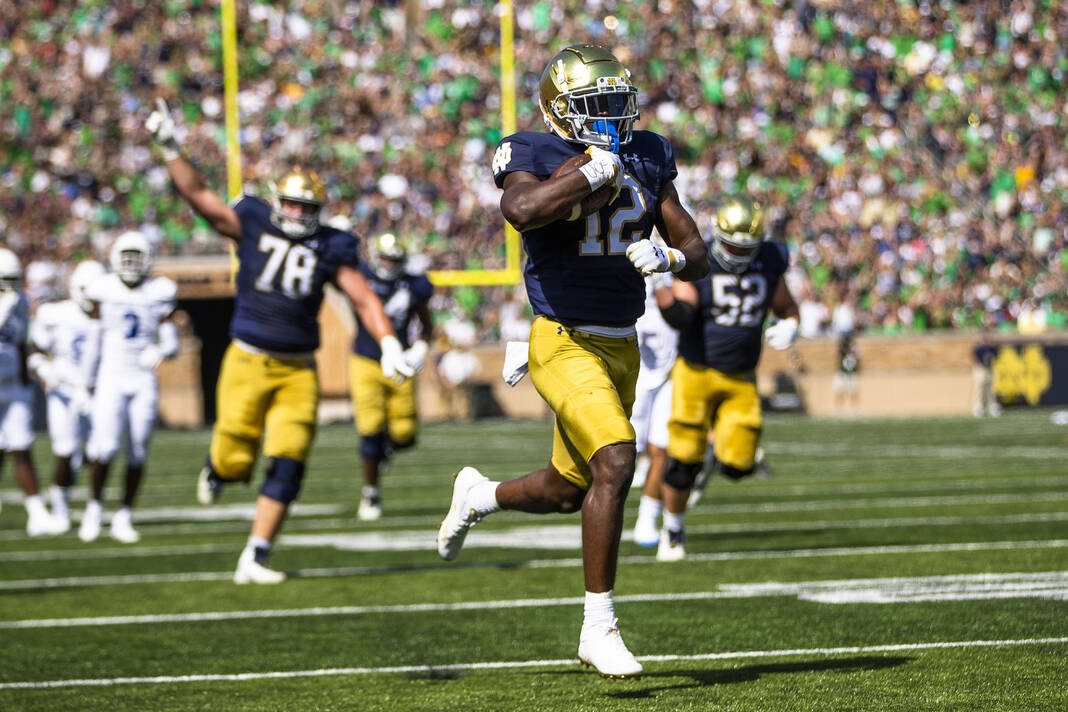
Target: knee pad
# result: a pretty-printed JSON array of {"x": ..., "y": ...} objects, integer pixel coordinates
[
  {"x": 404, "y": 444},
  {"x": 283, "y": 480},
  {"x": 680, "y": 475},
  {"x": 733, "y": 472},
  {"x": 375, "y": 447}
]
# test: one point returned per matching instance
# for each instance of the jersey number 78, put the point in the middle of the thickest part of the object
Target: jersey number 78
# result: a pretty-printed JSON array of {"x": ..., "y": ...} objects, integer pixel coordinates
[{"x": 295, "y": 261}]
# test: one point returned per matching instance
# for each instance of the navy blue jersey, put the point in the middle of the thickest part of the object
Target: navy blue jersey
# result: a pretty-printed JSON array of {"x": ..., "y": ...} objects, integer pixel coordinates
[
  {"x": 400, "y": 298},
  {"x": 577, "y": 271},
  {"x": 726, "y": 333},
  {"x": 280, "y": 280}
]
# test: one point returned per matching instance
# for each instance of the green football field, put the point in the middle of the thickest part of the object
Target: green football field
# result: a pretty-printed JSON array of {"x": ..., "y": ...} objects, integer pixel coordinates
[{"x": 908, "y": 565}]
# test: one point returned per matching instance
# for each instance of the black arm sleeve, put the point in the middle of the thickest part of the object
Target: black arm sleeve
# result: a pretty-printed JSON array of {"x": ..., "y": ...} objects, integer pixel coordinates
[{"x": 679, "y": 314}]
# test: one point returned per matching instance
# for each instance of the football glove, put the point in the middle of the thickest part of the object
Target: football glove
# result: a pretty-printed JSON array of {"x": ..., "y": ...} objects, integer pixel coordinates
[
  {"x": 782, "y": 334},
  {"x": 605, "y": 167},
  {"x": 81, "y": 400},
  {"x": 415, "y": 355},
  {"x": 394, "y": 366},
  {"x": 44, "y": 369},
  {"x": 648, "y": 257},
  {"x": 150, "y": 358},
  {"x": 161, "y": 126}
]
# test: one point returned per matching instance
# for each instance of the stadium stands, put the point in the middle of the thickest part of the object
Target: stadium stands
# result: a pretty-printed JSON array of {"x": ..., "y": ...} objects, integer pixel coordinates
[{"x": 913, "y": 153}]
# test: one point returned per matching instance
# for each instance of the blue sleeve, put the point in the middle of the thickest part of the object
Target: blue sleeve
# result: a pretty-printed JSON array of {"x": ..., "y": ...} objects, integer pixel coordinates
[
  {"x": 782, "y": 257},
  {"x": 422, "y": 289},
  {"x": 344, "y": 249},
  {"x": 248, "y": 206},
  {"x": 514, "y": 153},
  {"x": 671, "y": 171}
]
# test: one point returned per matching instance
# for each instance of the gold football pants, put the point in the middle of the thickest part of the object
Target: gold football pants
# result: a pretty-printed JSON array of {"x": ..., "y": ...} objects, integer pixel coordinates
[
  {"x": 588, "y": 381},
  {"x": 728, "y": 401},
  {"x": 258, "y": 393},
  {"x": 379, "y": 403}
]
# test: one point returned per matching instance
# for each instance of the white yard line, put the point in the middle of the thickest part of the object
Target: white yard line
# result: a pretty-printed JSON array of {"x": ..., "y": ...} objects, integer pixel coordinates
[
  {"x": 332, "y": 539},
  {"x": 244, "y": 513},
  {"x": 1047, "y": 584},
  {"x": 518, "y": 664},
  {"x": 71, "y": 581}
]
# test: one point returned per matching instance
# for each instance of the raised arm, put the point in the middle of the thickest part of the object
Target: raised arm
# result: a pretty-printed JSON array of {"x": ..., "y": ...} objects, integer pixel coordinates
[{"x": 187, "y": 180}]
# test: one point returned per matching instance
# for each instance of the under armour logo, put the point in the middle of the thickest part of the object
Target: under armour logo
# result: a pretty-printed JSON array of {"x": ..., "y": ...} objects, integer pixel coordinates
[
  {"x": 629, "y": 156},
  {"x": 561, "y": 330}
]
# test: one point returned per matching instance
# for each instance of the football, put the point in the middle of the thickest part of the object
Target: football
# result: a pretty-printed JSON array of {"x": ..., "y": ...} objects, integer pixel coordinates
[{"x": 595, "y": 200}]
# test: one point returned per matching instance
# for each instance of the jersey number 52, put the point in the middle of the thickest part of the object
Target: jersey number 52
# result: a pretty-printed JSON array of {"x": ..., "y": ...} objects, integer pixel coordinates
[{"x": 295, "y": 261}]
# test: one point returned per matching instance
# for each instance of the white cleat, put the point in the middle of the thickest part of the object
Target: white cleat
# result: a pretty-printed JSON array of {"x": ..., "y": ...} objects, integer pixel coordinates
[
  {"x": 370, "y": 510},
  {"x": 122, "y": 529},
  {"x": 602, "y": 647},
  {"x": 672, "y": 546},
  {"x": 208, "y": 487},
  {"x": 646, "y": 533},
  {"x": 91, "y": 522},
  {"x": 44, "y": 524},
  {"x": 461, "y": 517},
  {"x": 62, "y": 522},
  {"x": 249, "y": 571}
]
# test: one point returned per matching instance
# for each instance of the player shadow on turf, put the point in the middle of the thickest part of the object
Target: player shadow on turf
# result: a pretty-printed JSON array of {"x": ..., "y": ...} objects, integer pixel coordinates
[{"x": 751, "y": 673}]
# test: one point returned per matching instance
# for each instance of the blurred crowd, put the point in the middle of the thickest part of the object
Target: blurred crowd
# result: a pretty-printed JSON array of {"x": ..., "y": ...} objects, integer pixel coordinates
[{"x": 912, "y": 154}]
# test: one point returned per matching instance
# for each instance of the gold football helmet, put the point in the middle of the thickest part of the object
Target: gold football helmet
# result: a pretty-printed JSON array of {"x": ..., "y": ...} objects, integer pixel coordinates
[
  {"x": 304, "y": 187},
  {"x": 387, "y": 256},
  {"x": 586, "y": 96},
  {"x": 737, "y": 231}
]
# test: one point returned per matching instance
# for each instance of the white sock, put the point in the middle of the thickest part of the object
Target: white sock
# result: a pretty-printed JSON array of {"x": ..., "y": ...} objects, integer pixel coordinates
[
  {"x": 673, "y": 522},
  {"x": 124, "y": 512},
  {"x": 35, "y": 505},
  {"x": 599, "y": 609},
  {"x": 649, "y": 509},
  {"x": 258, "y": 542},
  {"x": 60, "y": 497},
  {"x": 370, "y": 492},
  {"x": 94, "y": 507},
  {"x": 483, "y": 497}
]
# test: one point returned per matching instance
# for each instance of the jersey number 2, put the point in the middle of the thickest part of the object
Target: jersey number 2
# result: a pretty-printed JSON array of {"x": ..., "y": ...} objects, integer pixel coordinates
[
  {"x": 621, "y": 224},
  {"x": 299, "y": 267}
]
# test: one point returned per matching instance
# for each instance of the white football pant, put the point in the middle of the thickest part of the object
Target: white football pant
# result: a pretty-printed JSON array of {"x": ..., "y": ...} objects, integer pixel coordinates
[
  {"x": 122, "y": 408},
  {"x": 16, "y": 419}
]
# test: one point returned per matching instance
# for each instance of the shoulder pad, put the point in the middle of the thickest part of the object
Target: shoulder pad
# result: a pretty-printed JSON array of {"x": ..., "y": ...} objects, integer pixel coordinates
[{"x": 164, "y": 289}]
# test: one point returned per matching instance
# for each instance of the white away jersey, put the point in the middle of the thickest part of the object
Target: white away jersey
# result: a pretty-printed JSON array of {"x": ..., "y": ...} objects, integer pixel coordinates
[
  {"x": 12, "y": 336},
  {"x": 657, "y": 342},
  {"x": 64, "y": 332},
  {"x": 130, "y": 318}
]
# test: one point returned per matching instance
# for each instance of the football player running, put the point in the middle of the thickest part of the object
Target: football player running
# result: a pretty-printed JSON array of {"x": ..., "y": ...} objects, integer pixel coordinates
[
  {"x": 16, "y": 398},
  {"x": 584, "y": 278},
  {"x": 67, "y": 340},
  {"x": 385, "y": 410},
  {"x": 720, "y": 320},
  {"x": 268, "y": 387},
  {"x": 136, "y": 334}
]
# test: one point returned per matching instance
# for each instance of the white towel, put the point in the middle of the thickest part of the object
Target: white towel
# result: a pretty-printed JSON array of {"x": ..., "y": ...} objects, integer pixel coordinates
[{"x": 515, "y": 362}]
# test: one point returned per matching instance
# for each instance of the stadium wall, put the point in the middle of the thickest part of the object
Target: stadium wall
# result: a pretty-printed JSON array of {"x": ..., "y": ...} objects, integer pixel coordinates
[{"x": 916, "y": 375}]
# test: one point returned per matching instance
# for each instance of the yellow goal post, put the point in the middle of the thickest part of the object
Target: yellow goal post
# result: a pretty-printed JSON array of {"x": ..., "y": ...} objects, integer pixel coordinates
[{"x": 444, "y": 278}]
